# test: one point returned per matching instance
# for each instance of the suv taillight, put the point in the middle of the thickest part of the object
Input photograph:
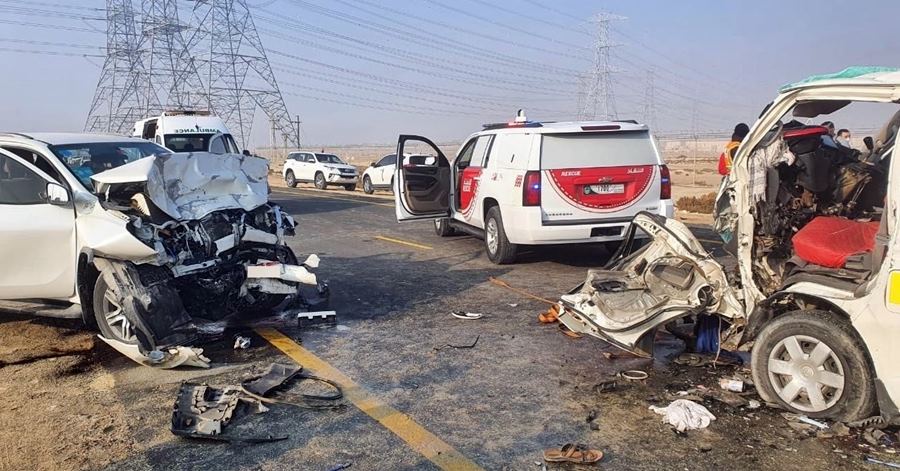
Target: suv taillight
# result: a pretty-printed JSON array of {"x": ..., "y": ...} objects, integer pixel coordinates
[
  {"x": 531, "y": 189},
  {"x": 665, "y": 187}
]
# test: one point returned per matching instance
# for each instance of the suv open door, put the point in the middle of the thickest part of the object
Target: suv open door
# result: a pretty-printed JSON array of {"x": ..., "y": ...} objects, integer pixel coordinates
[
  {"x": 671, "y": 277},
  {"x": 423, "y": 180}
]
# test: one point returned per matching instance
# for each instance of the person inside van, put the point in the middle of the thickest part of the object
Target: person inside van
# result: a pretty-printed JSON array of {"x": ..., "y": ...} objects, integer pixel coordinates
[
  {"x": 828, "y": 139},
  {"x": 843, "y": 138},
  {"x": 726, "y": 158}
]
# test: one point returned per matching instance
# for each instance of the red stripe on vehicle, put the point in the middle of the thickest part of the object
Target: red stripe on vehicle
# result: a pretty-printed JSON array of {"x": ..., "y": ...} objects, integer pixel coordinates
[{"x": 570, "y": 183}]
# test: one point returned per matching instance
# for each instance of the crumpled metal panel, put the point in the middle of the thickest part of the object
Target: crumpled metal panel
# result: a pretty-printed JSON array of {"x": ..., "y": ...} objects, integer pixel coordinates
[{"x": 190, "y": 186}]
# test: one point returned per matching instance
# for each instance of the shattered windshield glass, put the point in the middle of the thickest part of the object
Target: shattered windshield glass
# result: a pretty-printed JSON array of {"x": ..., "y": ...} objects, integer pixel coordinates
[{"x": 85, "y": 160}]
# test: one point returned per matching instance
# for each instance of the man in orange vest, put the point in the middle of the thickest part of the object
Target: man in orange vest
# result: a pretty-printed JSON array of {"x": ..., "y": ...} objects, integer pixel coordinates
[{"x": 740, "y": 131}]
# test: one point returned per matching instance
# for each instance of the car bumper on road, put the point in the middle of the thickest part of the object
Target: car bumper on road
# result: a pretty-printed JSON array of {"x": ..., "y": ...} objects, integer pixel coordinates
[
  {"x": 532, "y": 230},
  {"x": 341, "y": 179}
]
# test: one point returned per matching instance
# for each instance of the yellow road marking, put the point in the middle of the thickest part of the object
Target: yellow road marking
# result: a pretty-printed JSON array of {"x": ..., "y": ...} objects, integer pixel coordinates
[
  {"x": 403, "y": 242},
  {"x": 402, "y": 425},
  {"x": 301, "y": 192}
]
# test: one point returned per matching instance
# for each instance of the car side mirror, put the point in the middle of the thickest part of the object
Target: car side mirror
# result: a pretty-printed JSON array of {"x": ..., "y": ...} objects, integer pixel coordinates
[
  {"x": 869, "y": 142},
  {"x": 57, "y": 195},
  {"x": 372, "y": 164}
]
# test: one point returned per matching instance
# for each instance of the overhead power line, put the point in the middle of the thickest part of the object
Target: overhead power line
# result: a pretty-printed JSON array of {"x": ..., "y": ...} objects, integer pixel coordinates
[
  {"x": 506, "y": 41},
  {"x": 516, "y": 29}
]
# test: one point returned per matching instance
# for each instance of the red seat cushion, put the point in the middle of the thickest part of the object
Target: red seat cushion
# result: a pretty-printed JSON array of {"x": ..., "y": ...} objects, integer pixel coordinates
[{"x": 829, "y": 240}]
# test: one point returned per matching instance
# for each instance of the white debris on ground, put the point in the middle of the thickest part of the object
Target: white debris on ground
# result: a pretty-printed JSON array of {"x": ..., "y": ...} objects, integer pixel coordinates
[{"x": 685, "y": 415}]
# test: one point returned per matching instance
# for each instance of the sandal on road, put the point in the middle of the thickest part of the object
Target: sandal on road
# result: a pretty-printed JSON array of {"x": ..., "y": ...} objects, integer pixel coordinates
[{"x": 573, "y": 453}]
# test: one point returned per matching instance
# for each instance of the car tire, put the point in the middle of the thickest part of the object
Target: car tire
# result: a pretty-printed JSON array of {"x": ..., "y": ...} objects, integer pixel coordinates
[
  {"x": 350, "y": 187},
  {"x": 109, "y": 316},
  {"x": 499, "y": 249},
  {"x": 442, "y": 227},
  {"x": 289, "y": 179},
  {"x": 320, "y": 181},
  {"x": 833, "y": 361},
  {"x": 367, "y": 185}
]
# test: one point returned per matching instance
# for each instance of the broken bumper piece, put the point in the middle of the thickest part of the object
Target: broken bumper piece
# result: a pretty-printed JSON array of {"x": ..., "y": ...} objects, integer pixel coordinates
[{"x": 171, "y": 357}]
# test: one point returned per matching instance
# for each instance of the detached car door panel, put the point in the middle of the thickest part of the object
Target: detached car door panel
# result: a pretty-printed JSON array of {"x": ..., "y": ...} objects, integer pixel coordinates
[
  {"x": 423, "y": 179},
  {"x": 37, "y": 239}
]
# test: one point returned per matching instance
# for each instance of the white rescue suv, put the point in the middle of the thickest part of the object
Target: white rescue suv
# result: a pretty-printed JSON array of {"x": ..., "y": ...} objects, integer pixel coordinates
[
  {"x": 530, "y": 183},
  {"x": 815, "y": 293}
]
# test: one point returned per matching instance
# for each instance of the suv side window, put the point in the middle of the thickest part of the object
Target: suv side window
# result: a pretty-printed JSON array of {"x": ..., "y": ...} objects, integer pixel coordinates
[
  {"x": 18, "y": 184},
  {"x": 37, "y": 160},
  {"x": 293, "y": 156},
  {"x": 465, "y": 157},
  {"x": 480, "y": 151},
  {"x": 310, "y": 158},
  {"x": 387, "y": 160}
]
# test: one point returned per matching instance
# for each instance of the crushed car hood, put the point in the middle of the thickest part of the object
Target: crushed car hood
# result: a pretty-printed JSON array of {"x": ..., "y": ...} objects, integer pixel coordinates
[{"x": 188, "y": 186}]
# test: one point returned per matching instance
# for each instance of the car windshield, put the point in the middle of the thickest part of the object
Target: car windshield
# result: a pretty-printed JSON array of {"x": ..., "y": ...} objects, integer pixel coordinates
[
  {"x": 187, "y": 142},
  {"x": 329, "y": 159},
  {"x": 85, "y": 160}
]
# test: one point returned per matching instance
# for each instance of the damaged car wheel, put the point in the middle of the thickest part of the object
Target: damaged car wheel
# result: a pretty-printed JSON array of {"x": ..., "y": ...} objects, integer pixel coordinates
[
  {"x": 109, "y": 314},
  {"x": 812, "y": 362}
]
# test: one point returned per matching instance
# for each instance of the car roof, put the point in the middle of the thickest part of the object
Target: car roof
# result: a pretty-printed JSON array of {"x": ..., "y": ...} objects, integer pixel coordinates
[
  {"x": 62, "y": 138},
  {"x": 567, "y": 127},
  {"x": 849, "y": 76}
]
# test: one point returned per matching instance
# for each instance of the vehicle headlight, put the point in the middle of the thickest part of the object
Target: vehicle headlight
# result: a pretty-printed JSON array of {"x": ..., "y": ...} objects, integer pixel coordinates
[{"x": 334, "y": 171}]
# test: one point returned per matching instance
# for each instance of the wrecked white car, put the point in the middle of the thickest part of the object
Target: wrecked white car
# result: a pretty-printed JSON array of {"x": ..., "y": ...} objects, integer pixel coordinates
[
  {"x": 813, "y": 225},
  {"x": 148, "y": 245}
]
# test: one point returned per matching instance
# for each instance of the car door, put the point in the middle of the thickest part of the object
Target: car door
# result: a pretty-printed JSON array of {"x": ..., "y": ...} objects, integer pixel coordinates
[
  {"x": 308, "y": 167},
  {"x": 384, "y": 170},
  {"x": 37, "y": 233},
  {"x": 470, "y": 172},
  {"x": 424, "y": 187}
]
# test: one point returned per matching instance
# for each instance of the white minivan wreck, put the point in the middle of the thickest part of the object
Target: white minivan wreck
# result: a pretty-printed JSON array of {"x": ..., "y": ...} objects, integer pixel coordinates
[
  {"x": 149, "y": 245},
  {"x": 815, "y": 293}
]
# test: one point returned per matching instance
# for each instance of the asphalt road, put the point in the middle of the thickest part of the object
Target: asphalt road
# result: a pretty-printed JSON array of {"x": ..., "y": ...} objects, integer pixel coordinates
[{"x": 413, "y": 402}]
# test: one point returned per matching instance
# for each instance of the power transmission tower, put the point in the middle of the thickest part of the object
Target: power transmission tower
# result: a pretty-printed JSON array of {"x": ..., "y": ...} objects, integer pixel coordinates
[
  {"x": 171, "y": 79},
  {"x": 648, "y": 108},
  {"x": 599, "y": 99},
  {"x": 215, "y": 62},
  {"x": 233, "y": 60},
  {"x": 117, "y": 101}
]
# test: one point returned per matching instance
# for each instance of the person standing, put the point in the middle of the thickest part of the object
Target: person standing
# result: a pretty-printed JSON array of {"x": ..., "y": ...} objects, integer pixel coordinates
[{"x": 727, "y": 157}]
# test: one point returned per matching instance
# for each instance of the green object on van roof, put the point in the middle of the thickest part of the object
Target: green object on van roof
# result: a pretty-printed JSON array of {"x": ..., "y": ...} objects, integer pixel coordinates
[{"x": 849, "y": 72}]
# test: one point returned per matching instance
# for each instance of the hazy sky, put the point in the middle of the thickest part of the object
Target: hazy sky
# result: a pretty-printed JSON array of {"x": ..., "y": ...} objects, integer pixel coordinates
[{"x": 363, "y": 71}]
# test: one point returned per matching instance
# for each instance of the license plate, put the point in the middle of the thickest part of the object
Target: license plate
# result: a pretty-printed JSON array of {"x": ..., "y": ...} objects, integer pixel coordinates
[{"x": 608, "y": 188}]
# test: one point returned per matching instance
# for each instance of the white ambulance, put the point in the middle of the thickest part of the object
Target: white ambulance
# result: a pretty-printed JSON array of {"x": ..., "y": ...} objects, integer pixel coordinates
[
  {"x": 187, "y": 131},
  {"x": 531, "y": 183}
]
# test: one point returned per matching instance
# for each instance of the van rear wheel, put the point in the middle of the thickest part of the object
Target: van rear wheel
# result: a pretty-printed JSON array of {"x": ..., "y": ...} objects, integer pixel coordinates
[
  {"x": 499, "y": 249},
  {"x": 813, "y": 362}
]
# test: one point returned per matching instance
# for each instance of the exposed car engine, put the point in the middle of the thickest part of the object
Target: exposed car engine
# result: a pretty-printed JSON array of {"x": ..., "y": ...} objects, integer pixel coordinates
[{"x": 220, "y": 248}]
